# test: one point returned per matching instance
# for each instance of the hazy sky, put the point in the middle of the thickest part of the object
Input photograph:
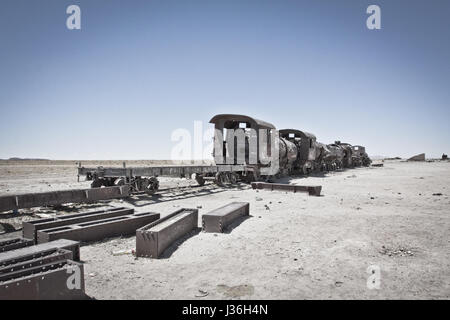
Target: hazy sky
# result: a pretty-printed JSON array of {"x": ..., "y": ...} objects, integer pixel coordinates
[{"x": 138, "y": 70}]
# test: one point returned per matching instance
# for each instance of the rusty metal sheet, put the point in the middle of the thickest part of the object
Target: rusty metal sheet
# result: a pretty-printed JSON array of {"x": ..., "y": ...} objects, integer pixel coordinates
[
  {"x": 30, "y": 228},
  {"x": 164, "y": 171},
  {"x": 154, "y": 238},
  {"x": 284, "y": 133},
  {"x": 33, "y": 260},
  {"x": 172, "y": 171},
  {"x": 44, "y": 282},
  {"x": 221, "y": 120},
  {"x": 218, "y": 219},
  {"x": 98, "y": 229},
  {"x": 311, "y": 190},
  {"x": 419, "y": 157},
  {"x": 15, "y": 243},
  {"x": 160, "y": 171},
  {"x": 32, "y": 256},
  {"x": 22, "y": 254},
  {"x": 29, "y": 200}
]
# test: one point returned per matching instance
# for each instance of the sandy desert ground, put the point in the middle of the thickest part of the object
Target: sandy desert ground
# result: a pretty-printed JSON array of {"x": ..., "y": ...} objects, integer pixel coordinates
[{"x": 293, "y": 246}]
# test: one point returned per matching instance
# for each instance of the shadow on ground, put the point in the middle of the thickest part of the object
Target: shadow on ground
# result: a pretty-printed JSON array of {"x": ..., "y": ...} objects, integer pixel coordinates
[{"x": 141, "y": 200}]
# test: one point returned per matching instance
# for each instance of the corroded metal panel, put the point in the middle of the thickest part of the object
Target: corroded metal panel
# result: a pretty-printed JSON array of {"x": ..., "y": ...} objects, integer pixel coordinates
[
  {"x": 23, "y": 254},
  {"x": 33, "y": 260},
  {"x": 311, "y": 190},
  {"x": 44, "y": 282},
  {"x": 419, "y": 157},
  {"x": 218, "y": 219},
  {"x": 15, "y": 243},
  {"x": 160, "y": 171},
  {"x": 153, "y": 239},
  {"x": 30, "y": 227},
  {"x": 29, "y": 200},
  {"x": 98, "y": 229}
]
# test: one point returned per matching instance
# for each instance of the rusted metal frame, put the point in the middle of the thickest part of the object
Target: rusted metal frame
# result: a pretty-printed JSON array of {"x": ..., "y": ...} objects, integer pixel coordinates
[
  {"x": 171, "y": 171},
  {"x": 98, "y": 229},
  {"x": 15, "y": 202},
  {"x": 49, "y": 281},
  {"x": 15, "y": 243},
  {"x": 227, "y": 121},
  {"x": 218, "y": 219},
  {"x": 377, "y": 164},
  {"x": 38, "y": 250},
  {"x": 154, "y": 238},
  {"x": 30, "y": 228},
  {"x": 30, "y": 256},
  {"x": 45, "y": 257},
  {"x": 231, "y": 168},
  {"x": 311, "y": 190},
  {"x": 32, "y": 270}
]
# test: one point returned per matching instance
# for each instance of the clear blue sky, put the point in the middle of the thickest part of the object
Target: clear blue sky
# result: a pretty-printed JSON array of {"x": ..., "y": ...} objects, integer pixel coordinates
[{"x": 137, "y": 70}]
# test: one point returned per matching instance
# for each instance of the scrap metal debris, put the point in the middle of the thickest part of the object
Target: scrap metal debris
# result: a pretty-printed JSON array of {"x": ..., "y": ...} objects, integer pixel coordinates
[
  {"x": 419, "y": 157},
  {"x": 399, "y": 252}
]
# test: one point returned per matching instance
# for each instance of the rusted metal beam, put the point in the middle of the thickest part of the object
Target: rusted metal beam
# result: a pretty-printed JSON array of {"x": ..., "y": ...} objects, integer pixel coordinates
[
  {"x": 31, "y": 227},
  {"x": 29, "y": 200},
  {"x": 15, "y": 243},
  {"x": 38, "y": 250},
  {"x": 377, "y": 164},
  {"x": 311, "y": 190},
  {"x": 162, "y": 171},
  {"x": 33, "y": 260},
  {"x": 98, "y": 229},
  {"x": 44, "y": 282},
  {"x": 157, "y": 171},
  {"x": 154, "y": 238},
  {"x": 218, "y": 219}
]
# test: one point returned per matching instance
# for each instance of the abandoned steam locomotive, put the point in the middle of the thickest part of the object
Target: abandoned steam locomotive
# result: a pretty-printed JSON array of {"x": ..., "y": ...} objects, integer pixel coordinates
[
  {"x": 297, "y": 152},
  {"x": 245, "y": 149}
]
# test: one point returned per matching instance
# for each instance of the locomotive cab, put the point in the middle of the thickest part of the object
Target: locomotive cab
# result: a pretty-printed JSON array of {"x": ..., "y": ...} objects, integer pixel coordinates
[
  {"x": 238, "y": 140},
  {"x": 362, "y": 155},
  {"x": 348, "y": 160},
  {"x": 306, "y": 147}
]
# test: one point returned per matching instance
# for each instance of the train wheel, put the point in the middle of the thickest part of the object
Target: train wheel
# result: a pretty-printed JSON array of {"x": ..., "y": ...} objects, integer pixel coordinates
[
  {"x": 97, "y": 183},
  {"x": 250, "y": 177},
  {"x": 220, "y": 178},
  {"x": 233, "y": 178},
  {"x": 119, "y": 182},
  {"x": 152, "y": 185},
  {"x": 199, "y": 179},
  {"x": 304, "y": 170}
]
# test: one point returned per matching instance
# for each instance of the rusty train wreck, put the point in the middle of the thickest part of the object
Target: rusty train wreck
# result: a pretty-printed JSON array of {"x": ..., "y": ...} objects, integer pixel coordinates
[
  {"x": 245, "y": 149},
  {"x": 298, "y": 152}
]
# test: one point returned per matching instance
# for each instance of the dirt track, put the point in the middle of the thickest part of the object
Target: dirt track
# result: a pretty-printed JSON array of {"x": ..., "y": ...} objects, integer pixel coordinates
[{"x": 292, "y": 247}]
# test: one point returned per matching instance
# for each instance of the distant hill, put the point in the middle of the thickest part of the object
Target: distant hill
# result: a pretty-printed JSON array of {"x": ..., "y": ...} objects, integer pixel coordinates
[{"x": 26, "y": 159}]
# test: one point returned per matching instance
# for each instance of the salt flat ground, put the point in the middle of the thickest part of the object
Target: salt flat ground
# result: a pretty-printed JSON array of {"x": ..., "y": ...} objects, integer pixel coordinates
[{"x": 293, "y": 246}]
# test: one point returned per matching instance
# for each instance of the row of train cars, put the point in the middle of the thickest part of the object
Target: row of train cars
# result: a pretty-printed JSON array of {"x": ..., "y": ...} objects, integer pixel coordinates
[{"x": 299, "y": 152}]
